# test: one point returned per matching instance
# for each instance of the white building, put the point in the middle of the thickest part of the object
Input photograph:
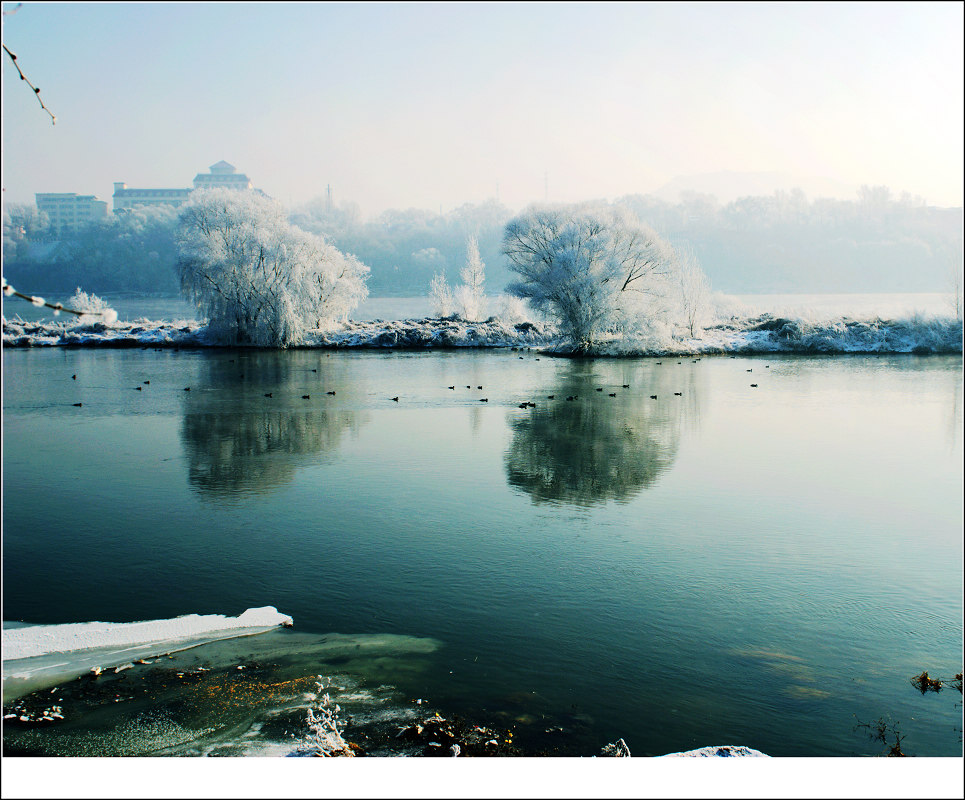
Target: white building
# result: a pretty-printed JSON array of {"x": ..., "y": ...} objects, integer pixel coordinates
[
  {"x": 69, "y": 209},
  {"x": 220, "y": 176}
]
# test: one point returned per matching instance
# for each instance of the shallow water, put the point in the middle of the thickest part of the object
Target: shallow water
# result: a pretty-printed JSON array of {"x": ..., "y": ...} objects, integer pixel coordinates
[{"x": 761, "y": 566}]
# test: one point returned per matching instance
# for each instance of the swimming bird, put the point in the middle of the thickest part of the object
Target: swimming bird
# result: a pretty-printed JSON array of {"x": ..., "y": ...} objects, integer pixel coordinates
[
  {"x": 599, "y": 390},
  {"x": 268, "y": 394},
  {"x": 678, "y": 394},
  {"x": 483, "y": 399},
  {"x": 571, "y": 397},
  {"x": 551, "y": 397},
  {"x": 626, "y": 386},
  {"x": 396, "y": 399},
  {"x": 78, "y": 404},
  {"x": 479, "y": 387},
  {"x": 306, "y": 396},
  {"x": 314, "y": 370},
  {"x": 137, "y": 388},
  {"x": 146, "y": 381},
  {"x": 750, "y": 370},
  {"x": 452, "y": 387},
  {"x": 613, "y": 394},
  {"x": 753, "y": 385},
  {"x": 187, "y": 388},
  {"x": 653, "y": 397},
  {"x": 73, "y": 377},
  {"x": 329, "y": 392}
]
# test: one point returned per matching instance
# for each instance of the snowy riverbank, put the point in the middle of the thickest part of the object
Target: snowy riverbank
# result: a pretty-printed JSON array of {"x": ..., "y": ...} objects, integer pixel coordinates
[{"x": 764, "y": 334}]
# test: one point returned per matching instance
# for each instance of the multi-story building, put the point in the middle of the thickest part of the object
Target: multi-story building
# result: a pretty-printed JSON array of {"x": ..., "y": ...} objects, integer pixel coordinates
[
  {"x": 126, "y": 198},
  {"x": 220, "y": 176},
  {"x": 69, "y": 209}
]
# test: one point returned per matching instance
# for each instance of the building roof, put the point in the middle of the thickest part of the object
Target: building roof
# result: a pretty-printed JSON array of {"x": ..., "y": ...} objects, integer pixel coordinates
[{"x": 222, "y": 166}]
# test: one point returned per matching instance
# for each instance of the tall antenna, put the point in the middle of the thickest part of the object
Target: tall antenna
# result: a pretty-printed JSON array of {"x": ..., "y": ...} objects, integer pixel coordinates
[{"x": 328, "y": 197}]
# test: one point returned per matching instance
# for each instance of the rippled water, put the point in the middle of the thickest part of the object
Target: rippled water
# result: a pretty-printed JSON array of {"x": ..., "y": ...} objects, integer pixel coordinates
[{"x": 765, "y": 566}]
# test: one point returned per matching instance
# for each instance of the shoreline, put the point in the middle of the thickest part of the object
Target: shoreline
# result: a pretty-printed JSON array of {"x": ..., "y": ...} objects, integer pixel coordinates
[{"x": 761, "y": 335}]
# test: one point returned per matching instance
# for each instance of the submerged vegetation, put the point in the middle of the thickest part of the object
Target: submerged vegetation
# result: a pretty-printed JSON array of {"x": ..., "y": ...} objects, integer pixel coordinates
[{"x": 887, "y": 731}]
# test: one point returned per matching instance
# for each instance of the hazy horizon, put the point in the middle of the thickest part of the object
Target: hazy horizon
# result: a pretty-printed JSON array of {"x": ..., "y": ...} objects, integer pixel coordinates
[{"x": 436, "y": 105}]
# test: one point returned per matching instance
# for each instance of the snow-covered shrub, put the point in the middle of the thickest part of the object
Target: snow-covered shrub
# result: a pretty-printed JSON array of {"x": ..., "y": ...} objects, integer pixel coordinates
[
  {"x": 260, "y": 280},
  {"x": 599, "y": 271},
  {"x": 512, "y": 310},
  {"x": 97, "y": 308}
]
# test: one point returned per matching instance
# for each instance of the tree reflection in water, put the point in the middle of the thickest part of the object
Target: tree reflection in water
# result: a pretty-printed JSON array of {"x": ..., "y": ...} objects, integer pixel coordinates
[
  {"x": 597, "y": 448},
  {"x": 240, "y": 441}
]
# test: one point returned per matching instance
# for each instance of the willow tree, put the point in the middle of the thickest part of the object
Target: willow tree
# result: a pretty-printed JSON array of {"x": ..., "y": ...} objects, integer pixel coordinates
[
  {"x": 258, "y": 279},
  {"x": 600, "y": 272}
]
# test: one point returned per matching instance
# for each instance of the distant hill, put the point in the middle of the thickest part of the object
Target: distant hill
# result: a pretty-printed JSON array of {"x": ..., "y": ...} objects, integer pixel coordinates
[{"x": 728, "y": 186}]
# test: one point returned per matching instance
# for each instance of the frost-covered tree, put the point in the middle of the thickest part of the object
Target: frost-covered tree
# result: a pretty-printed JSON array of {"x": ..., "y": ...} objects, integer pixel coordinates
[
  {"x": 596, "y": 269},
  {"x": 260, "y": 280},
  {"x": 22, "y": 225},
  {"x": 440, "y": 295},
  {"x": 955, "y": 290},
  {"x": 695, "y": 295},
  {"x": 471, "y": 295}
]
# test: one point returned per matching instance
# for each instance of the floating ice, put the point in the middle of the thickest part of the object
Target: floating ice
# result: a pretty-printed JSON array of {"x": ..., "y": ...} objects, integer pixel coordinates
[
  {"x": 37, "y": 640},
  {"x": 41, "y": 655}
]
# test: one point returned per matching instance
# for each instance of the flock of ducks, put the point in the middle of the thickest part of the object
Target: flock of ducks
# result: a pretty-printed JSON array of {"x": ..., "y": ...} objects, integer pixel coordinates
[{"x": 525, "y": 404}]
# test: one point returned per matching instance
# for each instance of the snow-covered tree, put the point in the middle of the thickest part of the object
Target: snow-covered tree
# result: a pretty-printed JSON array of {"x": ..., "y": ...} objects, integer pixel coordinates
[
  {"x": 471, "y": 295},
  {"x": 596, "y": 269},
  {"x": 22, "y": 224},
  {"x": 260, "y": 280},
  {"x": 695, "y": 296},
  {"x": 440, "y": 295}
]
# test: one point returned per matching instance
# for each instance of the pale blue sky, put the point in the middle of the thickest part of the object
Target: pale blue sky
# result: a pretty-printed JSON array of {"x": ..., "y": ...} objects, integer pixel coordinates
[{"x": 433, "y": 105}]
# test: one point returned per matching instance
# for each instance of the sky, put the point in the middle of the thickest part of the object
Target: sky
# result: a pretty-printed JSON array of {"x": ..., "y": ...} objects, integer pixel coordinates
[{"x": 434, "y": 105}]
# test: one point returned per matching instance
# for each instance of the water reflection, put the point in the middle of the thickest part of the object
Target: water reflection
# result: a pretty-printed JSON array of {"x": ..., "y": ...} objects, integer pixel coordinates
[
  {"x": 597, "y": 447},
  {"x": 255, "y": 417}
]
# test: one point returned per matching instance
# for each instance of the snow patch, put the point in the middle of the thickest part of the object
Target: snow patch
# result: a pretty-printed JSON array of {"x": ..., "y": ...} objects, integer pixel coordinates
[{"x": 724, "y": 750}]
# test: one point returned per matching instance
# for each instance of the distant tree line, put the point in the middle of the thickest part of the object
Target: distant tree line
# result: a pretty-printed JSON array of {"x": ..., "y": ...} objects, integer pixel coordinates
[
  {"x": 776, "y": 243},
  {"x": 130, "y": 252}
]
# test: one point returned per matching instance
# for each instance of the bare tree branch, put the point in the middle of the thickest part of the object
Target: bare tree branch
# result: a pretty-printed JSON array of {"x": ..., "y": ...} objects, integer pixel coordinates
[{"x": 13, "y": 58}]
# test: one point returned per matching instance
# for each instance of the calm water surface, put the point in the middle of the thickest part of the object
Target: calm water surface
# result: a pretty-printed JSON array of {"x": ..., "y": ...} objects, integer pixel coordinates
[{"x": 762, "y": 566}]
